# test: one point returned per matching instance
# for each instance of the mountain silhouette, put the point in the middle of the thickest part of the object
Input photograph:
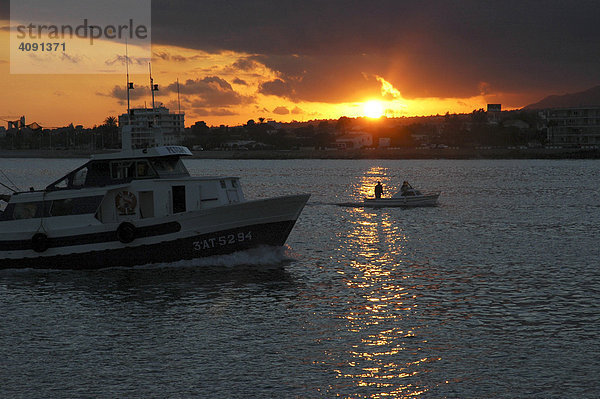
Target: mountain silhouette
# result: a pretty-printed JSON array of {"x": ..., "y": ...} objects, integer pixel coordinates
[{"x": 587, "y": 98}]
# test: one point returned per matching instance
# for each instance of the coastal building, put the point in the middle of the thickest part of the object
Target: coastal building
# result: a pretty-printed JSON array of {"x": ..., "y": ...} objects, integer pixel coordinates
[
  {"x": 354, "y": 140},
  {"x": 493, "y": 113},
  {"x": 573, "y": 126},
  {"x": 384, "y": 142},
  {"x": 516, "y": 123},
  {"x": 144, "y": 120}
]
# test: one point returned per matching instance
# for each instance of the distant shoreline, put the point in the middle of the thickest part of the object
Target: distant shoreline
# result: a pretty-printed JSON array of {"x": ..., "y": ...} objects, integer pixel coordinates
[{"x": 396, "y": 153}]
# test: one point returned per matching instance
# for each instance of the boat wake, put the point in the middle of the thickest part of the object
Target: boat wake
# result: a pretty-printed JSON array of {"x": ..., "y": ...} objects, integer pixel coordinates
[{"x": 263, "y": 257}]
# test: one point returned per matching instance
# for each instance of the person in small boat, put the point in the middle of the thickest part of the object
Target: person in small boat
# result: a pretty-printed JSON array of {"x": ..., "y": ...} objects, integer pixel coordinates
[
  {"x": 378, "y": 190},
  {"x": 405, "y": 187}
]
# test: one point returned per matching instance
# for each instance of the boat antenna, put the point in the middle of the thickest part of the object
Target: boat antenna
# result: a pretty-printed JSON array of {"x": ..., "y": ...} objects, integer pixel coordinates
[
  {"x": 129, "y": 84},
  {"x": 153, "y": 87}
]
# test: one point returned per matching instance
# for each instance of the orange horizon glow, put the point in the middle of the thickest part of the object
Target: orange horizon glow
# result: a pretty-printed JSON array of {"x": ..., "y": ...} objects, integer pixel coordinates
[{"x": 58, "y": 100}]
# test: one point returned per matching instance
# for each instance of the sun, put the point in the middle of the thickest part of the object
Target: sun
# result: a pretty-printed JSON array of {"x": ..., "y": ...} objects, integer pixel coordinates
[{"x": 373, "y": 109}]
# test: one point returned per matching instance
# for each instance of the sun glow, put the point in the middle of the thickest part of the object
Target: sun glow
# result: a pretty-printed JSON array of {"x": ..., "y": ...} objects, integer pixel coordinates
[{"x": 373, "y": 109}]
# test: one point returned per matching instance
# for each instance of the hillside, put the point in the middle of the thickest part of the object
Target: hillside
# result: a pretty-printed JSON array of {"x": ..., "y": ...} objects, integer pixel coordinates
[{"x": 590, "y": 97}]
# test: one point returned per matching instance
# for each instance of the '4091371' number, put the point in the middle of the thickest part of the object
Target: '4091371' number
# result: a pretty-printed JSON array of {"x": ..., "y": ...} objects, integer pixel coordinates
[{"x": 42, "y": 46}]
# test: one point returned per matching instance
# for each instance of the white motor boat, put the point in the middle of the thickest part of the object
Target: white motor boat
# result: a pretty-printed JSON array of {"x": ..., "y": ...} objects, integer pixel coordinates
[
  {"x": 135, "y": 207},
  {"x": 407, "y": 198}
]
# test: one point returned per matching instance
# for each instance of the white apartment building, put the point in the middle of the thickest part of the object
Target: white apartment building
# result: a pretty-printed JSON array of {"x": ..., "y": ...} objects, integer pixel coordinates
[
  {"x": 573, "y": 126},
  {"x": 354, "y": 140},
  {"x": 144, "y": 120}
]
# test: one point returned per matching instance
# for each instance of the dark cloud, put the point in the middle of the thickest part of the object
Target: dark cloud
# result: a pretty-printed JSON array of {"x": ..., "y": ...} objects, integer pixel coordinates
[
  {"x": 120, "y": 93},
  {"x": 239, "y": 81},
  {"x": 276, "y": 87},
  {"x": 210, "y": 91},
  {"x": 213, "y": 112},
  {"x": 321, "y": 79},
  {"x": 74, "y": 59},
  {"x": 166, "y": 56},
  {"x": 244, "y": 64},
  {"x": 122, "y": 60},
  {"x": 281, "y": 111},
  {"x": 434, "y": 48},
  {"x": 208, "y": 96}
]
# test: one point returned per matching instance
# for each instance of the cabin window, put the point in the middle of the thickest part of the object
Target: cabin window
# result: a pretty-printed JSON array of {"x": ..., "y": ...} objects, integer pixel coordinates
[
  {"x": 169, "y": 167},
  {"x": 64, "y": 183},
  {"x": 79, "y": 177},
  {"x": 73, "y": 206},
  {"x": 178, "y": 199},
  {"x": 62, "y": 207},
  {"x": 7, "y": 213},
  {"x": 98, "y": 174},
  {"x": 25, "y": 210},
  {"x": 234, "y": 183},
  {"x": 223, "y": 185},
  {"x": 92, "y": 174},
  {"x": 143, "y": 169},
  {"x": 122, "y": 170}
]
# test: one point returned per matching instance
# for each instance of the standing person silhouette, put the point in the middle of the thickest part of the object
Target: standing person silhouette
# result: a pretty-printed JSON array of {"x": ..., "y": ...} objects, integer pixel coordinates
[
  {"x": 378, "y": 190},
  {"x": 405, "y": 187}
]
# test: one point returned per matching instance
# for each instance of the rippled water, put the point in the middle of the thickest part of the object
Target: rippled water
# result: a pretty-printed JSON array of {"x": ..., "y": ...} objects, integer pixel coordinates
[{"x": 494, "y": 293}]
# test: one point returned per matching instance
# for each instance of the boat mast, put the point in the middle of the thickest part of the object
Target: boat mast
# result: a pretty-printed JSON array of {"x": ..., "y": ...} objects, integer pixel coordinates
[
  {"x": 129, "y": 84},
  {"x": 153, "y": 87},
  {"x": 156, "y": 130},
  {"x": 126, "y": 130}
]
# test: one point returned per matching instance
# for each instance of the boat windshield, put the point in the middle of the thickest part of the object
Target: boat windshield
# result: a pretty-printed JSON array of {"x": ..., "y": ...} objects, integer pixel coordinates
[
  {"x": 169, "y": 167},
  {"x": 105, "y": 172}
]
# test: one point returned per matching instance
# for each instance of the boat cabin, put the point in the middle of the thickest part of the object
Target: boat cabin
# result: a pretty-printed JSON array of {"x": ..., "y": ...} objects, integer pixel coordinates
[
  {"x": 119, "y": 169},
  {"x": 131, "y": 185}
]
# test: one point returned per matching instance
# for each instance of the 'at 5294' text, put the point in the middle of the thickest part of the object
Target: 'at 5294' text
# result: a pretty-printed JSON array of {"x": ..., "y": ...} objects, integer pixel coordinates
[{"x": 221, "y": 241}]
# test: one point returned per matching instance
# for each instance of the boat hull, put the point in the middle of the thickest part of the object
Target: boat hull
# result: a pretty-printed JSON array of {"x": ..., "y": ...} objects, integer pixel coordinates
[
  {"x": 408, "y": 201},
  {"x": 222, "y": 230}
]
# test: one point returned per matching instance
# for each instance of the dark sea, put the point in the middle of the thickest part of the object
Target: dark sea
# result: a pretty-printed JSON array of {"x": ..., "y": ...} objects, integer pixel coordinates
[{"x": 495, "y": 293}]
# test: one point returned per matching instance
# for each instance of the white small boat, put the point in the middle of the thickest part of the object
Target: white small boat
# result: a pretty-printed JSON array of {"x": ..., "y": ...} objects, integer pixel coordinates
[{"x": 408, "y": 198}]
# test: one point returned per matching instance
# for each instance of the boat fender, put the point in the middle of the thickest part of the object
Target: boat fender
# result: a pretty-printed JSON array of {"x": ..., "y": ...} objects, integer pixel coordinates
[
  {"x": 39, "y": 242},
  {"x": 126, "y": 232}
]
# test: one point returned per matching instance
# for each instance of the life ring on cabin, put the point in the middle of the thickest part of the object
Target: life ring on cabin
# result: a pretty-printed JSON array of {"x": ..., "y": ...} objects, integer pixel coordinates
[
  {"x": 125, "y": 202},
  {"x": 39, "y": 242},
  {"x": 126, "y": 232}
]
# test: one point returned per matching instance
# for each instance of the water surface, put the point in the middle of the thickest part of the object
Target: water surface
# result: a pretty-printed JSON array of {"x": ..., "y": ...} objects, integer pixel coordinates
[{"x": 494, "y": 293}]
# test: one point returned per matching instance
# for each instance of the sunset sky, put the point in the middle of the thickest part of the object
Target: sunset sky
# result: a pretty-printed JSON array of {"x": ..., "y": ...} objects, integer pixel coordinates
[{"x": 301, "y": 60}]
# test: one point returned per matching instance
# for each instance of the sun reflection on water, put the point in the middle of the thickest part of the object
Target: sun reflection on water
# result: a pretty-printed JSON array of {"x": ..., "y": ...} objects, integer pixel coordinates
[{"x": 383, "y": 361}]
